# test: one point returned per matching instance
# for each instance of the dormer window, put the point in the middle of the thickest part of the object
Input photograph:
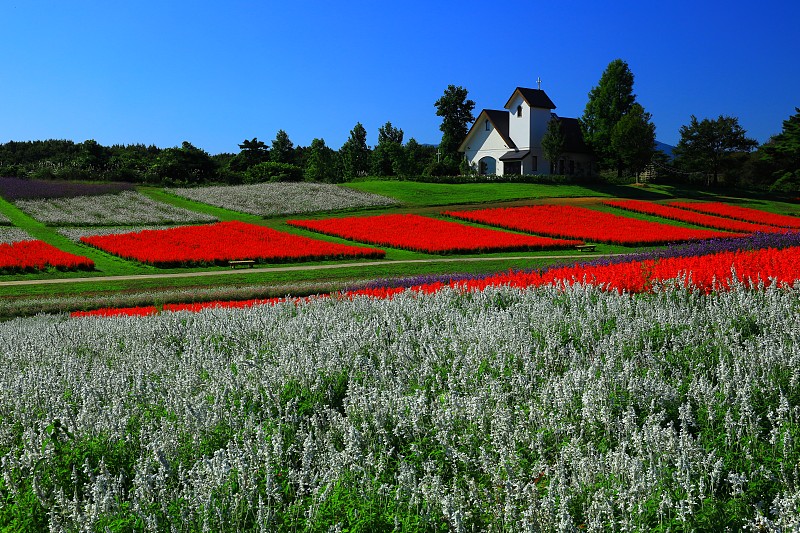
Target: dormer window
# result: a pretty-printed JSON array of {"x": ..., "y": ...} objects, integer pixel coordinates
[
  {"x": 519, "y": 111},
  {"x": 488, "y": 126}
]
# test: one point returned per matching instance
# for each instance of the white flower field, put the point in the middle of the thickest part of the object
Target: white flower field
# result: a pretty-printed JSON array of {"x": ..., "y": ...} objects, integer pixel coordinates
[
  {"x": 266, "y": 199},
  {"x": 75, "y": 233},
  {"x": 12, "y": 234},
  {"x": 124, "y": 208},
  {"x": 549, "y": 409}
]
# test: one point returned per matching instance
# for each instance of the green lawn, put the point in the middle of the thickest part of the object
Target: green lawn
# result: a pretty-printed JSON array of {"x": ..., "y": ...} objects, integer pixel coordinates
[{"x": 423, "y": 194}]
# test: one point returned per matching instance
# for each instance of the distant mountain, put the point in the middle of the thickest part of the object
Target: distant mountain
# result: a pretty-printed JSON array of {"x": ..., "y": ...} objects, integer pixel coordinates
[{"x": 666, "y": 148}]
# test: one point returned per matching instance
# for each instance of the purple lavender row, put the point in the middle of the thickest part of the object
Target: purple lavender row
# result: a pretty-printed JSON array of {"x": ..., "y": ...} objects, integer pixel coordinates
[
  {"x": 756, "y": 241},
  {"x": 18, "y": 188}
]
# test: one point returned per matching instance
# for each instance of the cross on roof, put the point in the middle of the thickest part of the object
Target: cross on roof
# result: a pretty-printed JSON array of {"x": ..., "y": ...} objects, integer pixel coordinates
[{"x": 538, "y": 83}]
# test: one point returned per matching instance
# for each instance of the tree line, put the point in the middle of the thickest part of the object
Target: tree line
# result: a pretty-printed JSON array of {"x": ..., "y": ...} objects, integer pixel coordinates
[
  {"x": 256, "y": 161},
  {"x": 710, "y": 152},
  {"x": 617, "y": 128}
]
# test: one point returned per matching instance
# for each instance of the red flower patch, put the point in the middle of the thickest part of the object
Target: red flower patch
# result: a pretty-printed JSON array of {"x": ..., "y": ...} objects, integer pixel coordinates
[
  {"x": 580, "y": 223},
  {"x": 690, "y": 217},
  {"x": 221, "y": 242},
  {"x": 741, "y": 213},
  {"x": 35, "y": 255},
  {"x": 425, "y": 234}
]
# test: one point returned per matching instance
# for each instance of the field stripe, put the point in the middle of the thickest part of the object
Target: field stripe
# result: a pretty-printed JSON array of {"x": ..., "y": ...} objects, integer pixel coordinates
[{"x": 289, "y": 269}]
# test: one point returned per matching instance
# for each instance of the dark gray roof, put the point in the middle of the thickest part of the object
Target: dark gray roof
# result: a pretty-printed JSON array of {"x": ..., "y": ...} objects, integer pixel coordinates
[
  {"x": 514, "y": 155},
  {"x": 534, "y": 98},
  {"x": 499, "y": 118},
  {"x": 573, "y": 136}
]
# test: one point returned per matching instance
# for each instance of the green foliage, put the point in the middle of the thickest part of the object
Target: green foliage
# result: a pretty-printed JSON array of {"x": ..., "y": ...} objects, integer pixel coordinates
[
  {"x": 417, "y": 157},
  {"x": 322, "y": 163},
  {"x": 389, "y": 157},
  {"x": 633, "y": 139},
  {"x": 789, "y": 183},
  {"x": 186, "y": 165},
  {"x": 355, "y": 153},
  {"x": 251, "y": 153},
  {"x": 553, "y": 142},
  {"x": 282, "y": 149},
  {"x": 707, "y": 146},
  {"x": 456, "y": 112},
  {"x": 273, "y": 171},
  {"x": 782, "y": 153},
  {"x": 609, "y": 101}
]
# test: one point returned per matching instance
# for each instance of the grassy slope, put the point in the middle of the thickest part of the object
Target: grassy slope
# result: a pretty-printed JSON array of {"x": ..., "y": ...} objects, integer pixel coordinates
[
  {"x": 417, "y": 197},
  {"x": 422, "y": 194}
]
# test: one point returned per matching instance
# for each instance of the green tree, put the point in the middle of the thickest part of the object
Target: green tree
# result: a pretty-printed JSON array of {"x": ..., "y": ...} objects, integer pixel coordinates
[
  {"x": 388, "y": 157},
  {"x": 93, "y": 156},
  {"x": 609, "y": 101},
  {"x": 389, "y": 134},
  {"x": 184, "y": 165},
  {"x": 456, "y": 112},
  {"x": 321, "y": 165},
  {"x": 553, "y": 142},
  {"x": 282, "y": 149},
  {"x": 251, "y": 153},
  {"x": 633, "y": 139},
  {"x": 782, "y": 153},
  {"x": 707, "y": 145},
  {"x": 417, "y": 157},
  {"x": 355, "y": 153}
]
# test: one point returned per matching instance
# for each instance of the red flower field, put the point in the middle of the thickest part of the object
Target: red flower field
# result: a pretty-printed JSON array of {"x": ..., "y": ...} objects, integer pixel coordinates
[
  {"x": 581, "y": 223},
  {"x": 425, "y": 234},
  {"x": 691, "y": 217},
  {"x": 706, "y": 273},
  {"x": 741, "y": 213},
  {"x": 221, "y": 242},
  {"x": 34, "y": 255}
]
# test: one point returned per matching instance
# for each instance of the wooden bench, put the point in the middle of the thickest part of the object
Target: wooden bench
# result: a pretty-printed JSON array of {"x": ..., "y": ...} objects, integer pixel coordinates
[
  {"x": 241, "y": 262},
  {"x": 586, "y": 247}
]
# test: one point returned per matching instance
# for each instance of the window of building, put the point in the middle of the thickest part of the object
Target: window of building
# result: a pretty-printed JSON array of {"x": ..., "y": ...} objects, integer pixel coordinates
[
  {"x": 488, "y": 127},
  {"x": 519, "y": 110},
  {"x": 535, "y": 163}
]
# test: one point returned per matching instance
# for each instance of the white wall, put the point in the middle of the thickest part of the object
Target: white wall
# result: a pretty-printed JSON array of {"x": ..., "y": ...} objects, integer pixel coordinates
[
  {"x": 484, "y": 143},
  {"x": 519, "y": 128}
]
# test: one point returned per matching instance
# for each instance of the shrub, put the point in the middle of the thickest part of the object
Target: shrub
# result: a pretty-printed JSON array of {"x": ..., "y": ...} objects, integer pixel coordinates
[{"x": 273, "y": 171}]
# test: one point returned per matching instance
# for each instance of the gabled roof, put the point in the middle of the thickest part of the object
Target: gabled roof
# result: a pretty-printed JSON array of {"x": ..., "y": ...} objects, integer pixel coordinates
[
  {"x": 499, "y": 119},
  {"x": 533, "y": 97},
  {"x": 573, "y": 136}
]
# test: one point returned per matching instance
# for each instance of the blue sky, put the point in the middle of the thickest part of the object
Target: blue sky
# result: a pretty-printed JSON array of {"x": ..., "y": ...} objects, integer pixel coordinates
[{"x": 215, "y": 73}]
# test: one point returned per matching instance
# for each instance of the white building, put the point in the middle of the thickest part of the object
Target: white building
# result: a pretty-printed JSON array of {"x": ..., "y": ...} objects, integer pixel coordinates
[{"x": 509, "y": 141}]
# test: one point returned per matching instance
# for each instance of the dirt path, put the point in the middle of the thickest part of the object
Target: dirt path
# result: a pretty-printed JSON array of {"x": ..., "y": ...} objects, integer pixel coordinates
[{"x": 293, "y": 268}]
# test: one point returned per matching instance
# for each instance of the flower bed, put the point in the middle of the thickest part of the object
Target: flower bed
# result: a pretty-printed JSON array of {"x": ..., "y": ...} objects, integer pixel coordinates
[
  {"x": 125, "y": 208},
  {"x": 222, "y": 242},
  {"x": 33, "y": 255},
  {"x": 75, "y": 233},
  {"x": 266, "y": 199},
  {"x": 18, "y": 188},
  {"x": 736, "y": 212},
  {"x": 13, "y": 234},
  {"x": 690, "y": 217},
  {"x": 425, "y": 234},
  {"x": 547, "y": 409},
  {"x": 581, "y": 223},
  {"x": 706, "y": 273}
]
